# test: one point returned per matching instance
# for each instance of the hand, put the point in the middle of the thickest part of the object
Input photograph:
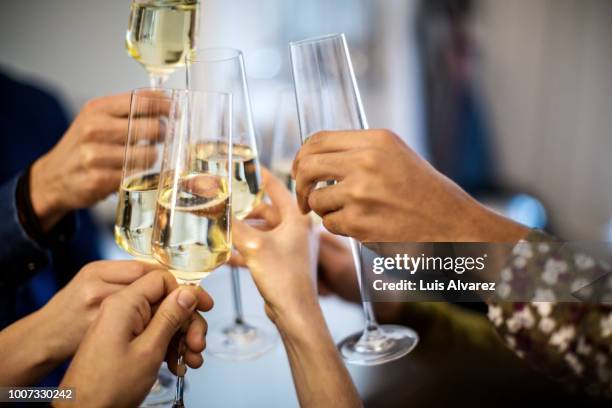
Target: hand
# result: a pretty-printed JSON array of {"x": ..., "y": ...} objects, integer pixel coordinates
[
  {"x": 278, "y": 258},
  {"x": 117, "y": 363},
  {"x": 385, "y": 192},
  {"x": 85, "y": 166},
  {"x": 33, "y": 346},
  {"x": 280, "y": 263},
  {"x": 68, "y": 315}
]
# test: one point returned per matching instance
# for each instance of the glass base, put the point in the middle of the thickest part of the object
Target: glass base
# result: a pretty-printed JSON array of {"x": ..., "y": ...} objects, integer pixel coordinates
[
  {"x": 378, "y": 346},
  {"x": 242, "y": 341},
  {"x": 162, "y": 392}
]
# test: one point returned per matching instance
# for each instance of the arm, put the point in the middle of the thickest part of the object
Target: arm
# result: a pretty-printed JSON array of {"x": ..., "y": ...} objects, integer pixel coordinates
[
  {"x": 25, "y": 352},
  {"x": 385, "y": 192},
  {"x": 33, "y": 346},
  {"x": 320, "y": 376},
  {"x": 279, "y": 261},
  {"x": 20, "y": 255}
]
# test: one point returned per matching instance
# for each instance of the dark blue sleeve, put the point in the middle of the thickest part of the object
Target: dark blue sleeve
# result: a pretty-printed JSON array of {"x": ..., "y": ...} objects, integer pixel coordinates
[{"x": 20, "y": 256}]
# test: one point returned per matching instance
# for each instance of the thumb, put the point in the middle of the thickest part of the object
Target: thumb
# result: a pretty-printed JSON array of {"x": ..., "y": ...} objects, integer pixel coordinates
[{"x": 175, "y": 310}]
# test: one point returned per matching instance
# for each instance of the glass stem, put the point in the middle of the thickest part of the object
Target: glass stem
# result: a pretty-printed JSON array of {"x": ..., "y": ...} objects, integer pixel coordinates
[
  {"x": 157, "y": 81},
  {"x": 180, "y": 381},
  {"x": 239, "y": 316},
  {"x": 370, "y": 321}
]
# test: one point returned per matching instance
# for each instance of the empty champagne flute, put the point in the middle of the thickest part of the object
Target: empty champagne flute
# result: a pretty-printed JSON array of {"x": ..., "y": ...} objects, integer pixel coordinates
[
  {"x": 222, "y": 70},
  {"x": 285, "y": 144},
  {"x": 149, "y": 109},
  {"x": 328, "y": 98},
  {"x": 192, "y": 229},
  {"x": 160, "y": 34},
  {"x": 285, "y": 139}
]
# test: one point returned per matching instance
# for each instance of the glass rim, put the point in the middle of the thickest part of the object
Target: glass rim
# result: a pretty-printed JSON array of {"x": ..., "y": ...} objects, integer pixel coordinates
[
  {"x": 317, "y": 39},
  {"x": 233, "y": 53}
]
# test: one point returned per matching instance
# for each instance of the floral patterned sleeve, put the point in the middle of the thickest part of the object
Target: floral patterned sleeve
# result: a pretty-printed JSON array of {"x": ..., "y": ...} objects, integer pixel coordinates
[{"x": 569, "y": 341}]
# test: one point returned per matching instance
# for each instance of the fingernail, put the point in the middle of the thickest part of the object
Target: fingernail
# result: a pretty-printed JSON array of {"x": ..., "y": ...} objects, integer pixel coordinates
[{"x": 186, "y": 299}]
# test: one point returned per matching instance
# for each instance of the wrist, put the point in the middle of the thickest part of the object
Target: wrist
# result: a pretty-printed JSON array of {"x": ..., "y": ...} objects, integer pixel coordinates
[
  {"x": 487, "y": 226},
  {"x": 53, "y": 350},
  {"x": 44, "y": 196},
  {"x": 300, "y": 322},
  {"x": 42, "y": 354}
]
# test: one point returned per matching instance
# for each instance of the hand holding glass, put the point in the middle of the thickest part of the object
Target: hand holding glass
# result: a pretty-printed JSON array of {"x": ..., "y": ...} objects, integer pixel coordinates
[{"x": 328, "y": 99}]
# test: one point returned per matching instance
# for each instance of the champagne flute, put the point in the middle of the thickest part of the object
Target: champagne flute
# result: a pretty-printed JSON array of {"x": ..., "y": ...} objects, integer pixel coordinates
[
  {"x": 285, "y": 144},
  {"x": 222, "y": 70},
  {"x": 328, "y": 98},
  {"x": 192, "y": 230},
  {"x": 149, "y": 109},
  {"x": 285, "y": 139},
  {"x": 160, "y": 34}
]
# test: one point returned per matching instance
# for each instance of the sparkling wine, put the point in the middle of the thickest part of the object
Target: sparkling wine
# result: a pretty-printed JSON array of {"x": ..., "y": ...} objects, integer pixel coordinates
[
  {"x": 192, "y": 234},
  {"x": 162, "y": 33},
  {"x": 246, "y": 178},
  {"x": 136, "y": 214}
]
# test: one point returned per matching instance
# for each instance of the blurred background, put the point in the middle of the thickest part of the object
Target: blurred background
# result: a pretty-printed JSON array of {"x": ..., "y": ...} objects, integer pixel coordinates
[{"x": 511, "y": 99}]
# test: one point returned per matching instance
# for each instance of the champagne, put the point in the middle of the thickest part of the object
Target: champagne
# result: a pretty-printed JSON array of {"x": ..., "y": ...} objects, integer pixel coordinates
[
  {"x": 246, "y": 180},
  {"x": 161, "y": 33},
  {"x": 192, "y": 234},
  {"x": 136, "y": 214}
]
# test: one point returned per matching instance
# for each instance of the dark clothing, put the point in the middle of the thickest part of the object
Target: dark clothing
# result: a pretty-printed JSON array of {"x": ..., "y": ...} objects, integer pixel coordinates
[{"x": 31, "y": 123}]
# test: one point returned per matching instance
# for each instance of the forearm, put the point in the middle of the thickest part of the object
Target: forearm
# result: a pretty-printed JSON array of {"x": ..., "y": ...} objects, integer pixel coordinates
[
  {"x": 320, "y": 377},
  {"x": 25, "y": 352}
]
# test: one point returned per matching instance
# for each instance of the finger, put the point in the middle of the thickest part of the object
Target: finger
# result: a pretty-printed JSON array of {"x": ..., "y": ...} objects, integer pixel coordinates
[
  {"x": 112, "y": 156},
  {"x": 139, "y": 157},
  {"x": 237, "y": 260},
  {"x": 114, "y": 130},
  {"x": 151, "y": 103},
  {"x": 334, "y": 222},
  {"x": 328, "y": 199},
  {"x": 278, "y": 193},
  {"x": 175, "y": 310},
  {"x": 311, "y": 169},
  {"x": 194, "y": 338},
  {"x": 116, "y": 105},
  {"x": 193, "y": 360},
  {"x": 153, "y": 286},
  {"x": 268, "y": 213},
  {"x": 332, "y": 142},
  {"x": 103, "y": 128},
  {"x": 150, "y": 129},
  {"x": 123, "y": 272},
  {"x": 131, "y": 307},
  {"x": 244, "y": 237},
  {"x": 171, "y": 356}
]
